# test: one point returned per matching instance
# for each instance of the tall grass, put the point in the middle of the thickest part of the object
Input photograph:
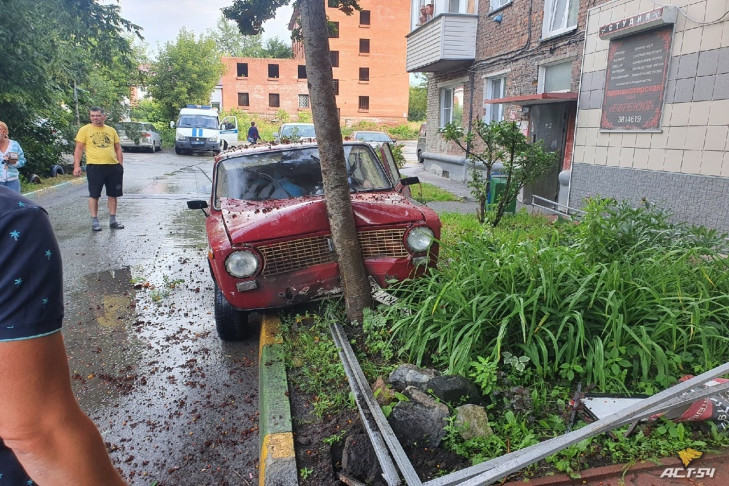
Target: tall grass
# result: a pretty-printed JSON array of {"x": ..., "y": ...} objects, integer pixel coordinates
[{"x": 625, "y": 297}]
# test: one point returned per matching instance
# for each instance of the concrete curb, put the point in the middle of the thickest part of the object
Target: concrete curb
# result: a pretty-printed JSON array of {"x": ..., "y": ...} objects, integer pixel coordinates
[
  {"x": 278, "y": 459},
  {"x": 57, "y": 187}
]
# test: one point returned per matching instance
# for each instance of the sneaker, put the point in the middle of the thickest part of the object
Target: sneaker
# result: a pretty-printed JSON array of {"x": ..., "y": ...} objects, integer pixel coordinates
[
  {"x": 116, "y": 225},
  {"x": 96, "y": 227}
]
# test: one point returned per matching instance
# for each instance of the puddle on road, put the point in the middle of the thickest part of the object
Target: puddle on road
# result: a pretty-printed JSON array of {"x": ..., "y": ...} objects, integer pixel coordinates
[{"x": 176, "y": 404}]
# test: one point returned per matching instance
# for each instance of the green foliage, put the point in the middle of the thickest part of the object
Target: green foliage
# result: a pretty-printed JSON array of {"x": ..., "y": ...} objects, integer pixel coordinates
[
  {"x": 230, "y": 42},
  {"x": 499, "y": 142},
  {"x": 396, "y": 149},
  {"x": 484, "y": 374},
  {"x": 425, "y": 193},
  {"x": 305, "y": 472},
  {"x": 643, "y": 315},
  {"x": 52, "y": 47},
  {"x": 186, "y": 72},
  {"x": 387, "y": 408},
  {"x": 418, "y": 103}
]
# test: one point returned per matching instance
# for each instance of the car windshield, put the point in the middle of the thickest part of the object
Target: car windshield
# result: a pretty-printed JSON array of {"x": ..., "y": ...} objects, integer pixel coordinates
[
  {"x": 198, "y": 121},
  {"x": 284, "y": 174},
  {"x": 298, "y": 131},
  {"x": 372, "y": 137}
]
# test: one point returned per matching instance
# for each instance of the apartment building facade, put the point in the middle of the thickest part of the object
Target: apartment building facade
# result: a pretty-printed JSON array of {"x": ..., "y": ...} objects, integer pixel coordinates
[
  {"x": 653, "y": 118},
  {"x": 525, "y": 67},
  {"x": 368, "y": 61}
]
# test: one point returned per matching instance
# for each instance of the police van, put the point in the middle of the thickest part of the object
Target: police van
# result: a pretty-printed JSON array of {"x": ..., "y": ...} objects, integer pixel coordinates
[{"x": 199, "y": 129}]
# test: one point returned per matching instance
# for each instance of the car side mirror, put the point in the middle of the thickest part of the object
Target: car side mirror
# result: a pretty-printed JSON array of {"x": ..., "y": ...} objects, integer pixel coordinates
[
  {"x": 405, "y": 181},
  {"x": 275, "y": 135},
  {"x": 172, "y": 124},
  {"x": 198, "y": 204}
]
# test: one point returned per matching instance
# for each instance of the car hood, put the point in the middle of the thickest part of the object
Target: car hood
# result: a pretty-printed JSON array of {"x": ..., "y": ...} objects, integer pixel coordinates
[{"x": 251, "y": 221}]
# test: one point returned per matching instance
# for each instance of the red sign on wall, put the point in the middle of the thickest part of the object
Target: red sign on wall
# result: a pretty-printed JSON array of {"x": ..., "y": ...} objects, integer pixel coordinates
[{"x": 635, "y": 80}]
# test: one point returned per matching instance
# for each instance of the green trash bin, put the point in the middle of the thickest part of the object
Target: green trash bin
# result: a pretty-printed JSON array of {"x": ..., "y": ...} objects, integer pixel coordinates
[{"x": 497, "y": 190}]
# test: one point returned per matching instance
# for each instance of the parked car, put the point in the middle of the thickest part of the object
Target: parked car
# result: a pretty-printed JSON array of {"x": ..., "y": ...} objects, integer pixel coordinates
[
  {"x": 421, "y": 143},
  {"x": 295, "y": 132},
  {"x": 372, "y": 137},
  {"x": 139, "y": 135},
  {"x": 269, "y": 236}
]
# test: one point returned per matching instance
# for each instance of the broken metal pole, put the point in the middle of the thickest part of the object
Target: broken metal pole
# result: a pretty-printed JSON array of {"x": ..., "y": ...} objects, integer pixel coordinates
[{"x": 500, "y": 467}]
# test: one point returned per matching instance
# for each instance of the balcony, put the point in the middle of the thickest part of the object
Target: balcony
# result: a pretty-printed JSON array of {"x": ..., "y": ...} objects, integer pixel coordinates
[{"x": 445, "y": 43}]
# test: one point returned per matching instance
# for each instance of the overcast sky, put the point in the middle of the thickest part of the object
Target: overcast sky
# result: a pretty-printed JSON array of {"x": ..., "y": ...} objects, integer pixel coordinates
[{"x": 161, "y": 20}]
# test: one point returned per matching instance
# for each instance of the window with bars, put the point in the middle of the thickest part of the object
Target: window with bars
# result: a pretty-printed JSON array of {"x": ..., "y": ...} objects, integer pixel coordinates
[
  {"x": 242, "y": 70},
  {"x": 364, "y": 74},
  {"x": 364, "y": 46},
  {"x": 274, "y": 100},
  {"x": 364, "y": 17},
  {"x": 303, "y": 101},
  {"x": 273, "y": 70},
  {"x": 243, "y": 99},
  {"x": 335, "y": 58},
  {"x": 302, "y": 71},
  {"x": 364, "y": 103}
]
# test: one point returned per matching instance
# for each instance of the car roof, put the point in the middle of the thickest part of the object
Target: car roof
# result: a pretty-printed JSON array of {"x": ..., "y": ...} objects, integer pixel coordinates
[{"x": 277, "y": 147}]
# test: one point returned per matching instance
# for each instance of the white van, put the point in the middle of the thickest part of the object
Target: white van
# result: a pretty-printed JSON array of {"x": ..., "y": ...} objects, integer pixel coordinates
[{"x": 198, "y": 129}]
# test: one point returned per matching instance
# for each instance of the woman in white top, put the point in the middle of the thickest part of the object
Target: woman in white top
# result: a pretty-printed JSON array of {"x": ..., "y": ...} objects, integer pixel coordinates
[{"x": 12, "y": 158}]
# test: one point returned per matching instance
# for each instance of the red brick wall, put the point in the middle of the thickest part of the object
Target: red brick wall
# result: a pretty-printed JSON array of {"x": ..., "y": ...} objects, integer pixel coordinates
[{"x": 388, "y": 85}]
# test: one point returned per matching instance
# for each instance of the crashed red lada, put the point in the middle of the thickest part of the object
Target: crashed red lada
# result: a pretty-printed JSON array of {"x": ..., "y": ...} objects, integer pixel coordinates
[{"x": 269, "y": 238}]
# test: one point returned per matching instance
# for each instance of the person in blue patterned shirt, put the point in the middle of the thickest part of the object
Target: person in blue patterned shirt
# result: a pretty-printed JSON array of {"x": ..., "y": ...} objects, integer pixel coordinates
[{"x": 44, "y": 434}]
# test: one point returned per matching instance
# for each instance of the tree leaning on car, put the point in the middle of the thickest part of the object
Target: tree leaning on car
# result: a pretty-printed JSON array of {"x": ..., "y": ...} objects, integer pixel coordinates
[{"x": 249, "y": 14}]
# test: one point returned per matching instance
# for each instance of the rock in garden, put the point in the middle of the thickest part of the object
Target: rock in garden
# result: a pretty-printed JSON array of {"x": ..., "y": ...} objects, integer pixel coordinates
[
  {"x": 359, "y": 459},
  {"x": 382, "y": 392},
  {"x": 455, "y": 390},
  {"x": 419, "y": 421},
  {"x": 410, "y": 375},
  {"x": 472, "y": 421}
]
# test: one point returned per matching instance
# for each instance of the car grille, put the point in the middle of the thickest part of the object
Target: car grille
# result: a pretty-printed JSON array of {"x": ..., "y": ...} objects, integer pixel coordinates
[{"x": 289, "y": 256}]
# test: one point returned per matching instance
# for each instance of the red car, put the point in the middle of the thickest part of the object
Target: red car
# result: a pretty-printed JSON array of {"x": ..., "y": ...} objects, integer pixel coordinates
[{"x": 269, "y": 238}]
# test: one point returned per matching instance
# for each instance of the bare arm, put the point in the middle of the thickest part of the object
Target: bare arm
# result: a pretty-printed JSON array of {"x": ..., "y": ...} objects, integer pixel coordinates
[
  {"x": 77, "y": 154},
  {"x": 119, "y": 153},
  {"x": 41, "y": 421}
]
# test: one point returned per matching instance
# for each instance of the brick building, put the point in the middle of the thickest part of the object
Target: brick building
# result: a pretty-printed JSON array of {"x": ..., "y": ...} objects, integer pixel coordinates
[
  {"x": 524, "y": 66},
  {"x": 653, "y": 119},
  {"x": 368, "y": 61}
]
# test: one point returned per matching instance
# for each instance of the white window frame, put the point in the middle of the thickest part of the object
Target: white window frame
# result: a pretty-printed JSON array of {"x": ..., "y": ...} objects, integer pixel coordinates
[
  {"x": 497, "y": 4},
  {"x": 494, "y": 112},
  {"x": 543, "y": 75},
  {"x": 549, "y": 13},
  {"x": 447, "y": 105}
]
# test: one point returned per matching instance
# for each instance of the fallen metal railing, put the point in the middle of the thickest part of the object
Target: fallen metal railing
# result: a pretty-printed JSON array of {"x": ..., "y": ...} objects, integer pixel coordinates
[
  {"x": 555, "y": 207},
  {"x": 387, "y": 447}
]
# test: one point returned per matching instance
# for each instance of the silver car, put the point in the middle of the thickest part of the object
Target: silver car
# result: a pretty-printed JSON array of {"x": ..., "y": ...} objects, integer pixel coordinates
[{"x": 139, "y": 135}]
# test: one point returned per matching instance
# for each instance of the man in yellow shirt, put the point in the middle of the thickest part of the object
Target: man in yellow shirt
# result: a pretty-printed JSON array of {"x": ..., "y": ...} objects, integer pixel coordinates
[{"x": 104, "y": 165}]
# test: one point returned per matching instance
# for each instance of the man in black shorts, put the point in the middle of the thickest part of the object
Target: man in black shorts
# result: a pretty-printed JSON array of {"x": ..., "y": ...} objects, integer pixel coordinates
[{"x": 104, "y": 165}]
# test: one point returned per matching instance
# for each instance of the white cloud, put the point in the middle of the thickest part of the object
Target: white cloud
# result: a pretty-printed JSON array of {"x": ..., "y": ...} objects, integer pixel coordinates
[{"x": 161, "y": 20}]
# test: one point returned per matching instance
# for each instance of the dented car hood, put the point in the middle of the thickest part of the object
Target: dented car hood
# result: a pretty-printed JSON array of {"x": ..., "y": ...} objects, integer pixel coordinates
[{"x": 251, "y": 221}]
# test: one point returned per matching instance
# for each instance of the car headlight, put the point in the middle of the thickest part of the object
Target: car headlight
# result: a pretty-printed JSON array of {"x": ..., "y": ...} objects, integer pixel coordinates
[
  {"x": 180, "y": 137},
  {"x": 213, "y": 139},
  {"x": 242, "y": 264},
  {"x": 420, "y": 238}
]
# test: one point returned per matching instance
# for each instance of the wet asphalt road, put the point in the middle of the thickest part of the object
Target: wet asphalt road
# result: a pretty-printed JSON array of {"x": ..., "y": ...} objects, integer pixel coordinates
[{"x": 175, "y": 405}]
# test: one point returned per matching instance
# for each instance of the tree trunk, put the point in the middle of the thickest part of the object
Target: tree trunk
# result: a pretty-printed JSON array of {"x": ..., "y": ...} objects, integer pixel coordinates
[{"x": 357, "y": 291}]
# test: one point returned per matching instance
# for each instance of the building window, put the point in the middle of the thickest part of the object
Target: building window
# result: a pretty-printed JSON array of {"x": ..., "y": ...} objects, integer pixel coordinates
[
  {"x": 364, "y": 46},
  {"x": 335, "y": 58},
  {"x": 364, "y": 17},
  {"x": 333, "y": 3},
  {"x": 495, "y": 88},
  {"x": 242, "y": 70},
  {"x": 364, "y": 74},
  {"x": 243, "y": 99},
  {"x": 302, "y": 71},
  {"x": 333, "y": 30},
  {"x": 560, "y": 16},
  {"x": 496, "y": 4},
  {"x": 555, "y": 78},
  {"x": 303, "y": 101},
  {"x": 273, "y": 100},
  {"x": 364, "y": 103},
  {"x": 451, "y": 105},
  {"x": 336, "y": 87},
  {"x": 273, "y": 70}
]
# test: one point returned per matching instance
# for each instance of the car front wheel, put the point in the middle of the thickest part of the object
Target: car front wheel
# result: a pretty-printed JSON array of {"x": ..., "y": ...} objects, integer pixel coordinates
[{"x": 231, "y": 323}]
